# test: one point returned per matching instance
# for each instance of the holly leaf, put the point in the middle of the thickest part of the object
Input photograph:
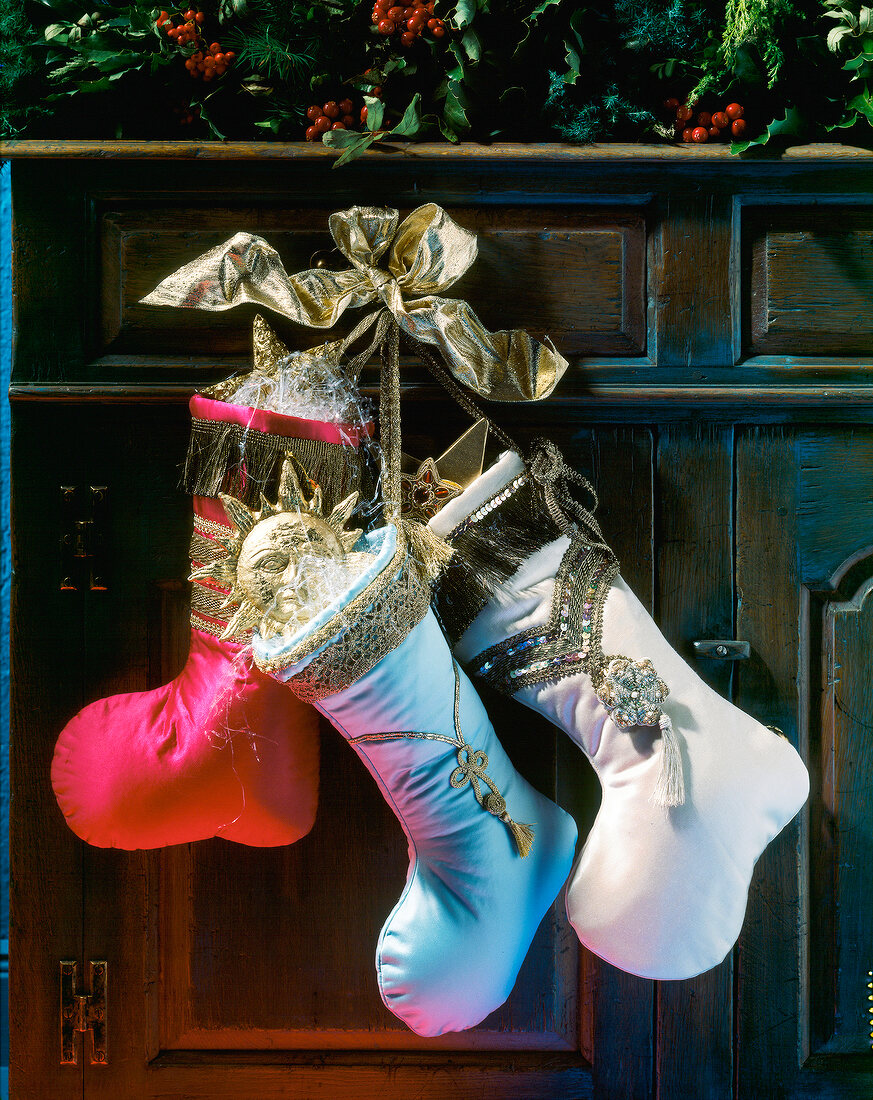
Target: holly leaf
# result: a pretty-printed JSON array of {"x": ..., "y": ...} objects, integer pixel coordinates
[
  {"x": 410, "y": 124},
  {"x": 350, "y": 142},
  {"x": 455, "y": 108},
  {"x": 472, "y": 44},
  {"x": 792, "y": 124},
  {"x": 463, "y": 13},
  {"x": 375, "y": 114},
  {"x": 544, "y": 5}
]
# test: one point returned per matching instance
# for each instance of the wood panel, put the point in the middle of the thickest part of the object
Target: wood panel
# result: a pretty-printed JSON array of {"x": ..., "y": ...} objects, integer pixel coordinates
[
  {"x": 847, "y": 719},
  {"x": 576, "y": 276},
  {"x": 772, "y": 949},
  {"x": 810, "y": 279},
  {"x": 620, "y": 464},
  {"x": 695, "y": 600},
  {"x": 695, "y": 308},
  {"x": 47, "y": 688}
]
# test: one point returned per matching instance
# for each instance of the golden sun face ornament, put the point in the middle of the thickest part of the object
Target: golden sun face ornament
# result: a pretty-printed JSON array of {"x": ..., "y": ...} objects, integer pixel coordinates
[{"x": 262, "y": 564}]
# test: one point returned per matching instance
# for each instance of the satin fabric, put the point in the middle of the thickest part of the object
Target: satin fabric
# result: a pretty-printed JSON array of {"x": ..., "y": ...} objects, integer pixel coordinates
[
  {"x": 451, "y": 949},
  {"x": 657, "y": 892},
  {"x": 222, "y": 750}
]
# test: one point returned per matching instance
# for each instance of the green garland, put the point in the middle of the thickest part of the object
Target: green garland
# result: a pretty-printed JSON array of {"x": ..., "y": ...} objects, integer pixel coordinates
[{"x": 522, "y": 70}]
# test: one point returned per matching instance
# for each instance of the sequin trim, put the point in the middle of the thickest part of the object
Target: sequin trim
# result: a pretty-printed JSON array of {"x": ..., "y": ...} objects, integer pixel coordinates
[{"x": 572, "y": 640}]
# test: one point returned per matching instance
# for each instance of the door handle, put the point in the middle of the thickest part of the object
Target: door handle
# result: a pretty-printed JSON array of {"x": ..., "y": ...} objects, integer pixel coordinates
[{"x": 722, "y": 649}]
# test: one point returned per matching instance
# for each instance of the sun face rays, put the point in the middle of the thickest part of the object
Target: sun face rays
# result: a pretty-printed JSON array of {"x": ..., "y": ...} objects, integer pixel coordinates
[{"x": 263, "y": 561}]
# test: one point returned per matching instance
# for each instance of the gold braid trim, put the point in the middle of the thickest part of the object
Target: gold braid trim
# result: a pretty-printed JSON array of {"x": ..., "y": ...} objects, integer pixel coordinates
[
  {"x": 363, "y": 632},
  {"x": 205, "y": 551},
  {"x": 217, "y": 629},
  {"x": 471, "y": 769}
]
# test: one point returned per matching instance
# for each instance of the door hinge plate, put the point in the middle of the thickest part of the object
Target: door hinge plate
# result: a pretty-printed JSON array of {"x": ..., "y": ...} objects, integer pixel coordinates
[
  {"x": 83, "y": 537},
  {"x": 83, "y": 1012}
]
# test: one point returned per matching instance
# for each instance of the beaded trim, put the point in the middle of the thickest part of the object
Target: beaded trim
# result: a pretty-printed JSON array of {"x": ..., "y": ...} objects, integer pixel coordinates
[
  {"x": 370, "y": 634},
  {"x": 471, "y": 769},
  {"x": 489, "y": 505},
  {"x": 572, "y": 640}
]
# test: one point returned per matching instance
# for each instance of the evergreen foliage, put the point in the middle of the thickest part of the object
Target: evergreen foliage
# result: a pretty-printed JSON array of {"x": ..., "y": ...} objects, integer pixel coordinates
[{"x": 507, "y": 69}]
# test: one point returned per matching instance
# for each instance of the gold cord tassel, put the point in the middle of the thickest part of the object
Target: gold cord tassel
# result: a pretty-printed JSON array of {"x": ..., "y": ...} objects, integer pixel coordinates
[
  {"x": 523, "y": 835},
  {"x": 428, "y": 550},
  {"x": 670, "y": 788}
]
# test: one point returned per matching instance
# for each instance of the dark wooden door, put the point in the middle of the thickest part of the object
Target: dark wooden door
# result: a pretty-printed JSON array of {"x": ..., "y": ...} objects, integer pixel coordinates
[{"x": 734, "y": 465}]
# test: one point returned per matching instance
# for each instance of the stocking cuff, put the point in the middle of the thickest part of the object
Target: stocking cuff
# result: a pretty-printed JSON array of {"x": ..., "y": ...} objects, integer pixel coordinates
[{"x": 353, "y": 634}]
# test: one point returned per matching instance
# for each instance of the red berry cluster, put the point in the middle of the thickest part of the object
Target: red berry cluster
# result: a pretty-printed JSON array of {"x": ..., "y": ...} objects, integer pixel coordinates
[
  {"x": 185, "y": 28},
  {"x": 410, "y": 23},
  {"x": 708, "y": 126},
  {"x": 331, "y": 116}
]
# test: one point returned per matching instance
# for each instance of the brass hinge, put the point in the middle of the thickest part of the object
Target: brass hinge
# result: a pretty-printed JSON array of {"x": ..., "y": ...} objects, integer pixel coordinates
[
  {"x": 83, "y": 1012},
  {"x": 83, "y": 537}
]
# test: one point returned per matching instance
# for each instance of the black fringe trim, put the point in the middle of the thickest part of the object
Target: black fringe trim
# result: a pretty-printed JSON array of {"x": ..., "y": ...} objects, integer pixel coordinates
[
  {"x": 243, "y": 462},
  {"x": 488, "y": 553}
]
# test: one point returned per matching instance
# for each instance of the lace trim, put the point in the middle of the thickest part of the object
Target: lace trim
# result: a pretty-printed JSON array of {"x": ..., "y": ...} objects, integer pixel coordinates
[
  {"x": 371, "y": 633},
  {"x": 471, "y": 769}
]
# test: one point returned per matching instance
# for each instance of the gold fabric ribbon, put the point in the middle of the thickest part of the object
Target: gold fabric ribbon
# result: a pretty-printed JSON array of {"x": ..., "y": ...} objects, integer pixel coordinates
[{"x": 426, "y": 254}]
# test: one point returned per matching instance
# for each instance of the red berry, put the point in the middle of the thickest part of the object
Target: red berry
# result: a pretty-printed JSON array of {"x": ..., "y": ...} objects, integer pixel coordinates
[
  {"x": 190, "y": 13},
  {"x": 686, "y": 134},
  {"x": 322, "y": 124},
  {"x": 375, "y": 17},
  {"x": 337, "y": 126},
  {"x": 215, "y": 48},
  {"x": 699, "y": 134},
  {"x": 331, "y": 110},
  {"x": 363, "y": 114},
  {"x": 385, "y": 26},
  {"x": 671, "y": 104},
  {"x": 431, "y": 23},
  {"x": 229, "y": 56},
  {"x": 209, "y": 74},
  {"x": 408, "y": 38},
  {"x": 396, "y": 14},
  {"x": 348, "y": 121},
  {"x": 346, "y": 106},
  {"x": 439, "y": 32},
  {"x": 200, "y": 17},
  {"x": 376, "y": 91},
  {"x": 683, "y": 114},
  {"x": 415, "y": 23},
  {"x": 738, "y": 127},
  {"x": 733, "y": 110},
  {"x": 720, "y": 119},
  {"x": 714, "y": 132},
  {"x": 313, "y": 112},
  {"x": 704, "y": 119},
  {"x": 311, "y": 133},
  {"x": 163, "y": 16}
]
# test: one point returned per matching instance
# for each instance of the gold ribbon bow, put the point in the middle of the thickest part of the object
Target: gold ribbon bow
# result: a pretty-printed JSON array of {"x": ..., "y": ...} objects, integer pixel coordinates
[{"x": 426, "y": 254}]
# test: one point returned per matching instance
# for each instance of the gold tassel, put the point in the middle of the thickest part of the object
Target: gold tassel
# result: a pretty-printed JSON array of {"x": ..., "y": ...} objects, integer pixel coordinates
[
  {"x": 670, "y": 788},
  {"x": 429, "y": 551},
  {"x": 523, "y": 835}
]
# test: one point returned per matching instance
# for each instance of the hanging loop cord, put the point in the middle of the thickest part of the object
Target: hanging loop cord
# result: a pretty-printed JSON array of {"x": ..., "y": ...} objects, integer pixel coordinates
[
  {"x": 456, "y": 391},
  {"x": 553, "y": 478}
]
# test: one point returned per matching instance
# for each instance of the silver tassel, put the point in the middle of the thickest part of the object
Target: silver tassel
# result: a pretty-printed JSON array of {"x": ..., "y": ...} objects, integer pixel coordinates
[{"x": 670, "y": 788}]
